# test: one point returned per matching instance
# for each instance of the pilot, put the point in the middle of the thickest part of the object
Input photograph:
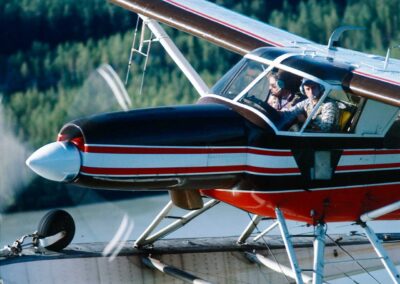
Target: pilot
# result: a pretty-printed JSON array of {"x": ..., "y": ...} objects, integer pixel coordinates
[
  {"x": 326, "y": 117},
  {"x": 280, "y": 98}
]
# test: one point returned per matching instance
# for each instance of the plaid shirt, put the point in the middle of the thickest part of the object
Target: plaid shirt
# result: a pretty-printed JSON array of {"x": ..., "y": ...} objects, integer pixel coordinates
[{"x": 324, "y": 120}]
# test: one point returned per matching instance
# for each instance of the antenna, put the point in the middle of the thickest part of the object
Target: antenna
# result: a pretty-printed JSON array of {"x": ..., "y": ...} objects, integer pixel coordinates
[
  {"x": 335, "y": 36},
  {"x": 388, "y": 56}
]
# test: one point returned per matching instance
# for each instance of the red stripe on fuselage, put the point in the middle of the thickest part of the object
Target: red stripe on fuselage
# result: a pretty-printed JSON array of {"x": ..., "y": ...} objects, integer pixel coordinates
[
  {"x": 215, "y": 150},
  {"x": 367, "y": 167},
  {"x": 371, "y": 152},
  {"x": 183, "y": 150}
]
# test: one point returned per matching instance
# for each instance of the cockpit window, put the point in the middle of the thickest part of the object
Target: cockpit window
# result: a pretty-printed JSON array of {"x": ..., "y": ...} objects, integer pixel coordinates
[{"x": 290, "y": 102}]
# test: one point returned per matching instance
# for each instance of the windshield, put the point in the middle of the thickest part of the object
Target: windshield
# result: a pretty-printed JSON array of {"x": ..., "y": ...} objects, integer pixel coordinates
[
  {"x": 240, "y": 77},
  {"x": 255, "y": 84}
]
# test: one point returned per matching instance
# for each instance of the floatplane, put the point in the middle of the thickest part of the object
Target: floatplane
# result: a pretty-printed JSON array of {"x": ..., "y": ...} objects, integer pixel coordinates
[{"x": 233, "y": 147}]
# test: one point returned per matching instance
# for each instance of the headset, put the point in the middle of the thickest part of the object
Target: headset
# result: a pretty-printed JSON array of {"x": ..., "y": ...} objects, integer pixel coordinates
[{"x": 321, "y": 89}]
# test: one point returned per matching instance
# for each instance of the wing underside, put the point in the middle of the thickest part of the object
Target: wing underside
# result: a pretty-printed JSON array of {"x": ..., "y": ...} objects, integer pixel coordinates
[{"x": 214, "y": 23}]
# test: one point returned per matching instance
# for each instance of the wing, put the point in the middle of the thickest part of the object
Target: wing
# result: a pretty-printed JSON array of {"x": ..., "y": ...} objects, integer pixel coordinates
[
  {"x": 213, "y": 23},
  {"x": 241, "y": 34}
]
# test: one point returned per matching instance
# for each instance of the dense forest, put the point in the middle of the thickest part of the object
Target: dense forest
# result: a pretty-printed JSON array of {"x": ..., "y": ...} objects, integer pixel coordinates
[{"x": 50, "y": 49}]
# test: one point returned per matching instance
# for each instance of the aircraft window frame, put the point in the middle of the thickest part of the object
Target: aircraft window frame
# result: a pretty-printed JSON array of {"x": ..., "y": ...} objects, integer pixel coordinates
[
  {"x": 314, "y": 111},
  {"x": 329, "y": 87}
]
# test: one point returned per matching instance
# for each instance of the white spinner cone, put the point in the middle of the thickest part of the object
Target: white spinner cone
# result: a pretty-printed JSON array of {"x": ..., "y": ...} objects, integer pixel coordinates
[{"x": 57, "y": 161}]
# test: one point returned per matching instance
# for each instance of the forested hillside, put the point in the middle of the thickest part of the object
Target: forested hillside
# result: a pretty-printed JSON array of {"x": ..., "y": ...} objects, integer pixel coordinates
[{"x": 50, "y": 48}]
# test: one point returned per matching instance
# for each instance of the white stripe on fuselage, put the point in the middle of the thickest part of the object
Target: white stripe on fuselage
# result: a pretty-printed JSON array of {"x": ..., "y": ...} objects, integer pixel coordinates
[
  {"x": 241, "y": 156},
  {"x": 106, "y": 160}
]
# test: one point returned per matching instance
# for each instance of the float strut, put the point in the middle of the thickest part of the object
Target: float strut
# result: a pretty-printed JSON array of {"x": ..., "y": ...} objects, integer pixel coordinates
[
  {"x": 267, "y": 230},
  {"x": 319, "y": 249},
  {"x": 164, "y": 212},
  {"x": 376, "y": 243},
  {"x": 145, "y": 239},
  {"x": 289, "y": 246},
  {"x": 381, "y": 252},
  {"x": 249, "y": 229}
]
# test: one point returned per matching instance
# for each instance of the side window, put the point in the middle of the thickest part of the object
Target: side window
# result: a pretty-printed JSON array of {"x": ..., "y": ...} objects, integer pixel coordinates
[
  {"x": 349, "y": 110},
  {"x": 375, "y": 118}
]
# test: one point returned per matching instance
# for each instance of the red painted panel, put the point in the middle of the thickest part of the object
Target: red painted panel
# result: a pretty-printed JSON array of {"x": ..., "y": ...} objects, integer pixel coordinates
[{"x": 334, "y": 205}]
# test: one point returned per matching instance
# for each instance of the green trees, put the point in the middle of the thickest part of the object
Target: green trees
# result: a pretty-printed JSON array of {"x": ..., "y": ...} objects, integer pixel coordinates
[
  {"x": 53, "y": 47},
  {"x": 53, "y": 22},
  {"x": 381, "y": 20}
]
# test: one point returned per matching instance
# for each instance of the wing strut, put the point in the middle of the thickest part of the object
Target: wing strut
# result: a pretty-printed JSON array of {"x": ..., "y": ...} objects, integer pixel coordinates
[{"x": 176, "y": 55}]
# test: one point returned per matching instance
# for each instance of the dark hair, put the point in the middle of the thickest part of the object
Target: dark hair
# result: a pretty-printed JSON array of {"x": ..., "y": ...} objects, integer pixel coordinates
[{"x": 308, "y": 82}]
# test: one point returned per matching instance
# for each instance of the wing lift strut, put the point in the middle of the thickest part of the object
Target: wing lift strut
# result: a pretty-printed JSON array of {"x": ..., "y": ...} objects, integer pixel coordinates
[{"x": 158, "y": 34}]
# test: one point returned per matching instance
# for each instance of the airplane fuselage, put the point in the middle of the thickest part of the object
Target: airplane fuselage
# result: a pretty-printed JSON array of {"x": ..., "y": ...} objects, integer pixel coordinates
[{"x": 211, "y": 147}]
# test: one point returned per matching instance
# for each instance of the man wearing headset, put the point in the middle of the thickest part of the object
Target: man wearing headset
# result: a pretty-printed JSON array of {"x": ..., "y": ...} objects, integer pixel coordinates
[
  {"x": 326, "y": 117},
  {"x": 280, "y": 98}
]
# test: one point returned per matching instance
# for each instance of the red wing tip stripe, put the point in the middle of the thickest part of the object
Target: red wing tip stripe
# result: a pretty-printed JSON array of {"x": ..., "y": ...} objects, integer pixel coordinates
[
  {"x": 143, "y": 150},
  {"x": 188, "y": 170},
  {"x": 222, "y": 22},
  {"x": 377, "y": 77}
]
